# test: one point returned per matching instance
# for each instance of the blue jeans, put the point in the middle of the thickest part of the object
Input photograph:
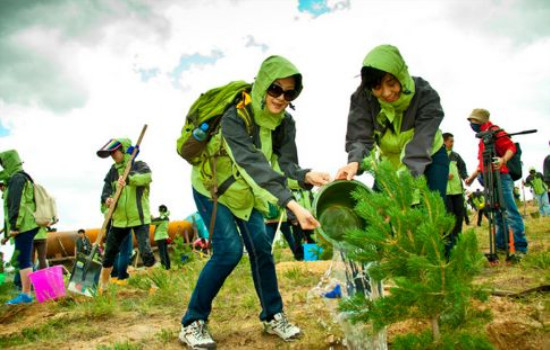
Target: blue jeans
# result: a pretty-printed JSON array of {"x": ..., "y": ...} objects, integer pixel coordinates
[
  {"x": 227, "y": 247},
  {"x": 544, "y": 206},
  {"x": 122, "y": 259},
  {"x": 515, "y": 222},
  {"x": 24, "y": 247}
]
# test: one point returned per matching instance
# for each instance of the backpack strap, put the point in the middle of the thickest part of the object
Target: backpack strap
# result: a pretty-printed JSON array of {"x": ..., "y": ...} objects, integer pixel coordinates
[{"x": 244, "y": 110}]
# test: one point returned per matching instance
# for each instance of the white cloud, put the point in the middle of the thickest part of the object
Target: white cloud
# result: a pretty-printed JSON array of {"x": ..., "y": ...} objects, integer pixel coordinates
[{"x": 469, "y": 65}]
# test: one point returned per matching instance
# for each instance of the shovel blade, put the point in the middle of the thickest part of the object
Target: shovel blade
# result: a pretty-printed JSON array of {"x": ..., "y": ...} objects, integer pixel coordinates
[{"x": 85, "y": 275}]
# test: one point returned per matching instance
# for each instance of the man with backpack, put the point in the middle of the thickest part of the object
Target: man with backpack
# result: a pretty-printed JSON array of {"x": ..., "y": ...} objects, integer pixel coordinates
[
  {"x": 19, "y": 207},
  {"x": 132, "y": 209},
  {"x": 540, "y": 190},
  {"x": 233, "y": 182},
  {"x": 505, "y": 149}
]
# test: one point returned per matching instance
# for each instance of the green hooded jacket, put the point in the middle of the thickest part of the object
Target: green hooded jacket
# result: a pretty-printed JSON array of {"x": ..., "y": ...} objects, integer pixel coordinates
[
  {"x": 407, "y": 130},
  {"x": 132, "y": 208},
  {"x": 246, "y": 168},
  {"x": 535, "y": 181},
  {"x": 19, "y": 203},
  {"x": 161, "y": 223}
]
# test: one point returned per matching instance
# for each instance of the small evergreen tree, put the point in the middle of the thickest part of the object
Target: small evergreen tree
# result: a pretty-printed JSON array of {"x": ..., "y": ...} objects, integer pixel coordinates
[{"x": 406, "y": 229}]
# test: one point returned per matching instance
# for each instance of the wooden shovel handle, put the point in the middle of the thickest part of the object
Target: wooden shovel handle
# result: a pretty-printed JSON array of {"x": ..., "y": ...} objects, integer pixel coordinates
[{"x": 119, "y": 189}]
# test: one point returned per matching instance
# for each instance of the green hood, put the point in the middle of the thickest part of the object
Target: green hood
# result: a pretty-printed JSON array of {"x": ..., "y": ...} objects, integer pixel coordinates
[
  {"x": 388, "y": 59},
  {"x": 126, "y": 143},
  {"x": 11, "y": 163},
  {"x": 273, "y": 68}
]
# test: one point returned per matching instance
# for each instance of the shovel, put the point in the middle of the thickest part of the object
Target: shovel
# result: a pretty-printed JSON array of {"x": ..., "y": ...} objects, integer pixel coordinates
[{"x": 86, "y": 270}]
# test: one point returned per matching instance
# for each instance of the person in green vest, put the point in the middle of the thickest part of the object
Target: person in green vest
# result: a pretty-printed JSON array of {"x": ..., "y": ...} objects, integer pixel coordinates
[
  {"x": 455, "y": 189},
  {"x": 478, "y": 202},
  {"x": 245, "y": 171},
  {"x": 132, "y": 211},
  {"x": 19, "y": 207},
  {"x": 41, "y": 246},
  {"x": 161, "y": 235},
  {"x": 398, "y": 115},
  {"x": 540, "y": 189}
]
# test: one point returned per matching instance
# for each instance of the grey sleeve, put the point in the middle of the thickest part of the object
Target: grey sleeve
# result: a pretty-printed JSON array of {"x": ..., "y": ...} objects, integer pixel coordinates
[
  {"x": 16, "y": 186},
  {"x": 288, "y": 154},
  {"x": 251, "y": 159},
  {"x": 461, "y": 165},
  {"x": 428, "y": 117},
  {"x": 360, "y": 129}
]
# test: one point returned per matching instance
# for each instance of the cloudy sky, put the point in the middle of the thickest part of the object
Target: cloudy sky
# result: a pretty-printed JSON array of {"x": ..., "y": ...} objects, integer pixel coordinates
[{"x": 73, "y": 74}]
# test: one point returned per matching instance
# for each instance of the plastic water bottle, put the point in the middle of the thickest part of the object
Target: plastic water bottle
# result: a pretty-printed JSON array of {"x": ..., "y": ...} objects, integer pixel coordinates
[{"x": 200, "y": 133}]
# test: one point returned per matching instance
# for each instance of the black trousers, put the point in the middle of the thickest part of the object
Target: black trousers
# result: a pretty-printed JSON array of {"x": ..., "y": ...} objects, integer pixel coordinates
[
  {"x": 163, "y": 253},
  {"x": 117, "y": 235},
  {"x": 455, "y": 205}
]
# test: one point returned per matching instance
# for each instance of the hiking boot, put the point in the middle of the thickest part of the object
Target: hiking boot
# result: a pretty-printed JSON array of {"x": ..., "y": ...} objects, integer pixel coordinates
[
  {"x": 280, "y": 326},
  {"x": 22, "y": 298},
  {"x": 196, "y": 336}
]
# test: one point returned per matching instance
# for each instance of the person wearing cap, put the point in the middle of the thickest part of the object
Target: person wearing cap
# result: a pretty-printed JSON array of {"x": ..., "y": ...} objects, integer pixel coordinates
[
  {"x": 505, "y": 149},
  {"x": 540, "y": 190},
  {"x": 400, "y": 116},
  {"x": 131, "y": 212},
  {"x": 161, "y": 235},
  {"x": 19, "y": 206},
  {"x": 245, "y": 171}
]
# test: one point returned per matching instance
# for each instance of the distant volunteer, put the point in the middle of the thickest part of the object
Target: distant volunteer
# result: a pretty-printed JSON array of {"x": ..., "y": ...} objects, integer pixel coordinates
[{"x": 249, "y": 161}]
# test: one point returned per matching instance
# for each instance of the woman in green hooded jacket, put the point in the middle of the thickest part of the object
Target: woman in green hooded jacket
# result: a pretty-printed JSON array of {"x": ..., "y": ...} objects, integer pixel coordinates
[
  {"x": 248, "y": 182},
  {"x": 400, "y": 115},
  {"x": 19, "y": 207}
]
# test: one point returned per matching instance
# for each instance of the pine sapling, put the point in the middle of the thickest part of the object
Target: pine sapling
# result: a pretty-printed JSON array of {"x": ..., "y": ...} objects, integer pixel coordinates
[{"x": 407, "y": 226}]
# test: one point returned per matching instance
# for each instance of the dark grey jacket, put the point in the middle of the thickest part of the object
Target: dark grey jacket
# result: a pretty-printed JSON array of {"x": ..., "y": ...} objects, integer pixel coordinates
[
  {"x": 424, "y": 115},
  {"x": 246, "y": 150}
]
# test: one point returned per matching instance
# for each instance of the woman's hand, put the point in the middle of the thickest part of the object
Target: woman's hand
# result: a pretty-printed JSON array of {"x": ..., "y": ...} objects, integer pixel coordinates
[
  {"x": 304, "y": 217},
  {"x": 347, "y": 172},
  {"x": 317, "y": 178}
]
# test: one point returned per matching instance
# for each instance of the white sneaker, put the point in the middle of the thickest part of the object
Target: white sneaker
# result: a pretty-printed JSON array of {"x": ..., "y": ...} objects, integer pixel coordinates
[
  {"x": 280, "y": 326},
  {"x": 196, "y": 336}
]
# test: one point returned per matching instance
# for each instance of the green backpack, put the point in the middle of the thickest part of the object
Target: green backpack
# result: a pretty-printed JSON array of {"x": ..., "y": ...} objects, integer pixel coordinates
[{"x": 204, "y": 118}]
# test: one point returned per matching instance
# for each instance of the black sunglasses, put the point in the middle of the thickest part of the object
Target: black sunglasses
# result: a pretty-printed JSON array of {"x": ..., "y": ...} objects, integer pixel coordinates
[{"x": 275, "y": 91}]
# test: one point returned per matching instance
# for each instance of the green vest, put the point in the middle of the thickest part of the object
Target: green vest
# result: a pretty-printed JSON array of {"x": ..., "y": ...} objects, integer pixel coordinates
[
  {"x": 454, "y": 186},
  {"x": 161, "y": 229},
  {"x": 539, "y": 187}
]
